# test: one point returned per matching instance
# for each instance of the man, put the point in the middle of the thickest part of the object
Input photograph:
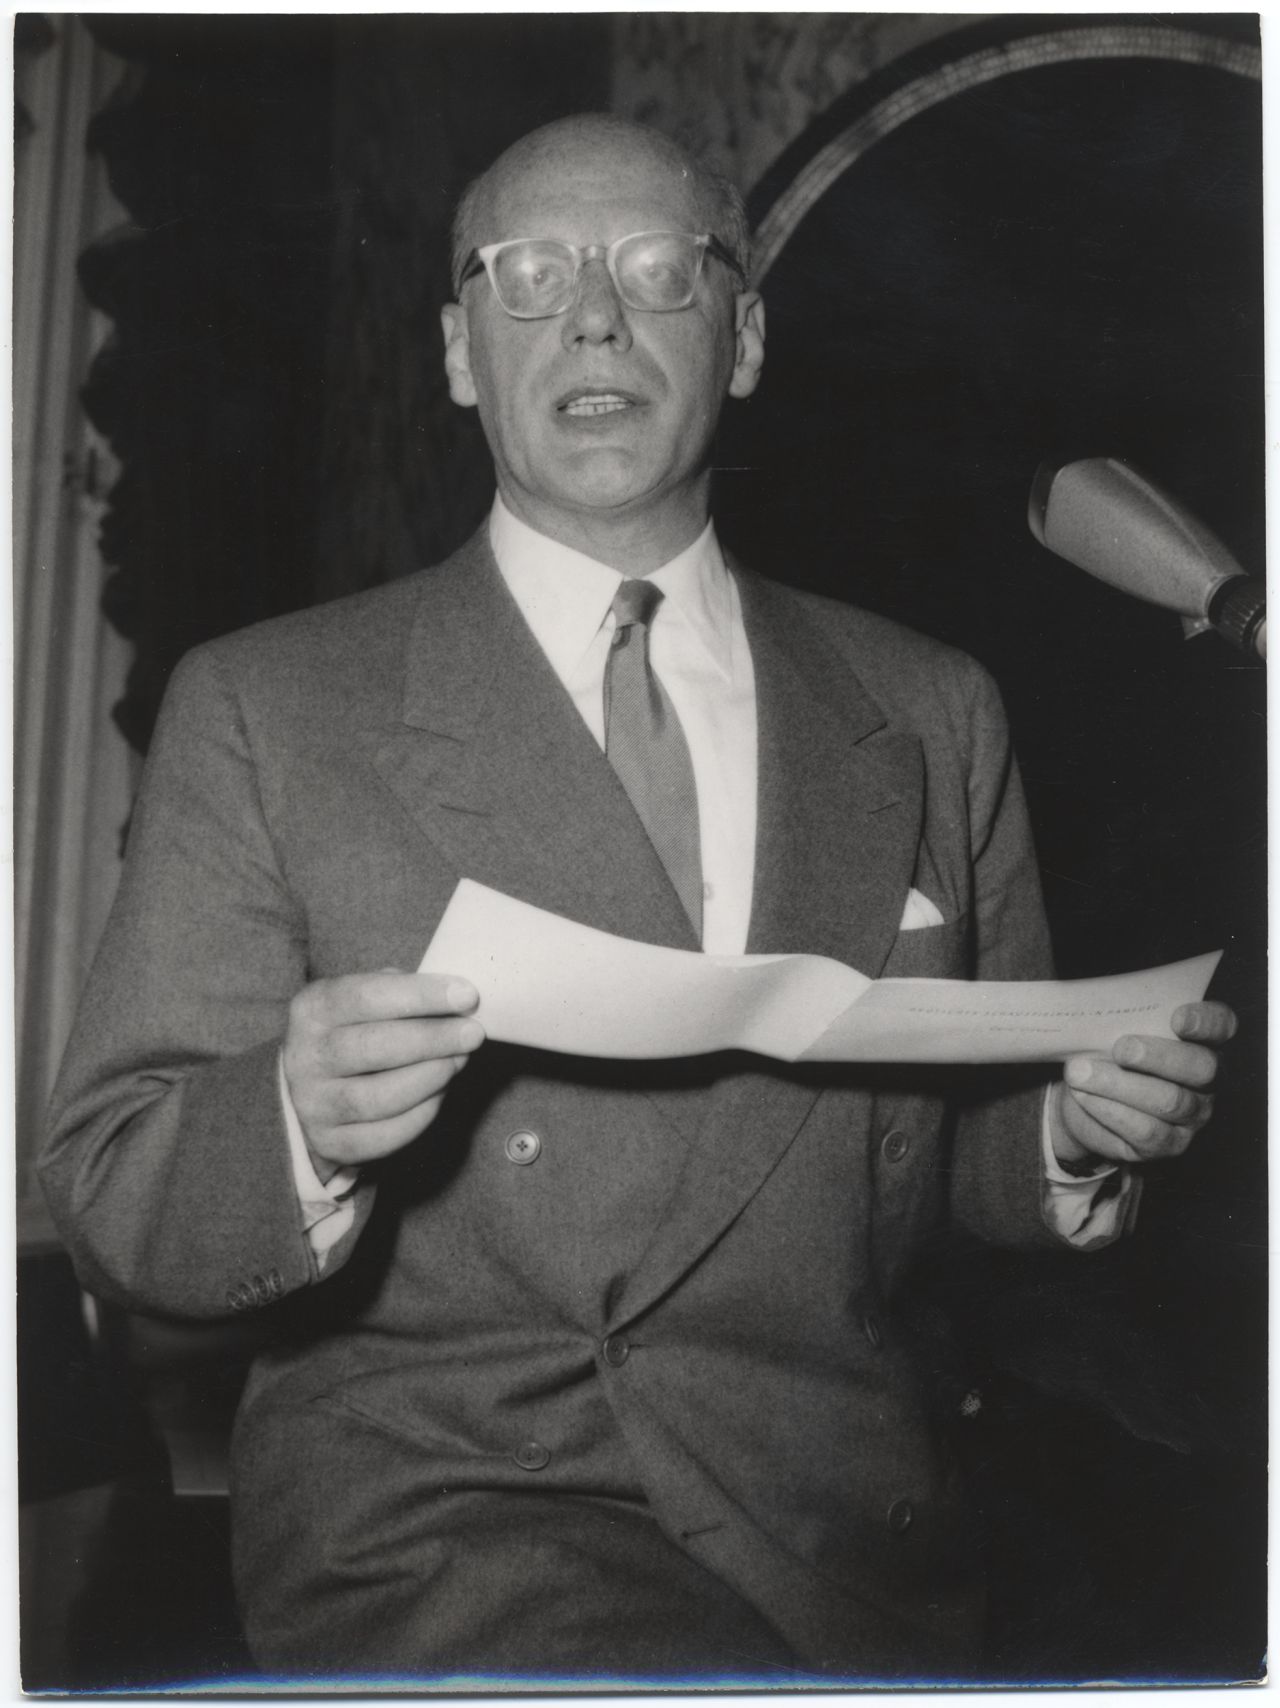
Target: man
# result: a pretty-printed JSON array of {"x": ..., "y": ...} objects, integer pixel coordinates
[{"x": 579, "y": 1369}]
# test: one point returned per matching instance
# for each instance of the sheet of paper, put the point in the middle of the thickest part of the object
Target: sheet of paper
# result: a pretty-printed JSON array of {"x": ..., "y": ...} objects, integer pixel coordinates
[
  {"x": 554, "y": 984},
  {"x": 954, "y": 1020}
]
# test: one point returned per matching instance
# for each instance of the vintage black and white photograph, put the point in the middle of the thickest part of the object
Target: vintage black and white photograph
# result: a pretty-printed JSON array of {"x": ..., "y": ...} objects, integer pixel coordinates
[{"x": 640, "y": 851}]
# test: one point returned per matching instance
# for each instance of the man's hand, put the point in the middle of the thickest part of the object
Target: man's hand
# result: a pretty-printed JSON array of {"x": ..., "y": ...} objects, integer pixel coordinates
[
  {"x": 1148, "y": 1099},
  {"x": 367, "y": 1060}
]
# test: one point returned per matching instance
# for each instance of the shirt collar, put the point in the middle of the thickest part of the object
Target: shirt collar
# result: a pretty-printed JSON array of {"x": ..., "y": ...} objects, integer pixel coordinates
[{"x": 565, "y": 596}]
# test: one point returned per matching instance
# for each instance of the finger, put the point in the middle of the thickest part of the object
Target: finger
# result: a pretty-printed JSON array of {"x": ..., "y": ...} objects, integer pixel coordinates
[
  {"x": 367, "y": 1098},
  {"x": 1168, "y": 1058},
  {"x": 1144, "y": 1137},
  {"x": 376, "y": 1045},
  {"x": 1165, "y": 1099},
  {"x": 1207, "y": 1022},
  {"x": 387, "y": 995},
  {"x": 1090, "y": 1134},
  {"x": 351, "y": 1146}
]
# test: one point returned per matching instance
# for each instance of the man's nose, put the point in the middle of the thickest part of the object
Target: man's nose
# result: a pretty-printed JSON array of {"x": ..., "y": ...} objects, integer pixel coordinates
[{"x": 597, "y": 314}]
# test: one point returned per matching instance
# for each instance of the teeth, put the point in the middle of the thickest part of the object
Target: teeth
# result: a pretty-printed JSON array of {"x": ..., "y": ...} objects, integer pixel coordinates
[{"x": 602, "y": 403}]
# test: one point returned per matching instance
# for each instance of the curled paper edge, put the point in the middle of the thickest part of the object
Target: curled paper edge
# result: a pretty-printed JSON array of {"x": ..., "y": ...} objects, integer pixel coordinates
[{"x": 554, "y": 984}]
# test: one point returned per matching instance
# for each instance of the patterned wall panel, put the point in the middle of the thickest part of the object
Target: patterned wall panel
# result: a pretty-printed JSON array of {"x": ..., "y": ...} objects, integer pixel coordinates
[{"x": 739, "y": 87}]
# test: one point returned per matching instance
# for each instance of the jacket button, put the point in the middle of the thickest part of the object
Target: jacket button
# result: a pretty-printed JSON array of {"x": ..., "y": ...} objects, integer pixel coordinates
[
  {"x": 523, "y": 1146},
  {"x": 616, "y": 1349},
  {"x": 899, "y": 1516},
  {"x": 239, "y": 1298},
  {"x": 895, "y": 1145},
  {"x": 531, "y": 1456},
  {"x": 871, "y": 1328}
]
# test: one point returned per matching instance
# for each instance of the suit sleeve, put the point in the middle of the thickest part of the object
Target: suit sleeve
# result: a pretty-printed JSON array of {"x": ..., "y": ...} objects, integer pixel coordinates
[
  {"x": 167, "y": 1164},
  {"x": 997, "y": 1176}
]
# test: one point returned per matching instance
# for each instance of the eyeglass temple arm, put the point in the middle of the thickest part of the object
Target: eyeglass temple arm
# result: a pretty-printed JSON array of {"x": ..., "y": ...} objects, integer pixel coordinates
[
  {"x": 470, "y": 267},
  {"x": 722, "y": 254}
]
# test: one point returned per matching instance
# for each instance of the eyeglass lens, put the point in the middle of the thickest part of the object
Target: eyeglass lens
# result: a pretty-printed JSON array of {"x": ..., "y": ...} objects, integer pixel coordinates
[{"x": 653, "y": 270}]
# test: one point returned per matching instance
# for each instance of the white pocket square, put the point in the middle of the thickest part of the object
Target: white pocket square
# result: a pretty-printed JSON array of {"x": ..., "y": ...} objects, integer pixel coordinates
[{"x": 919, "y": 912}]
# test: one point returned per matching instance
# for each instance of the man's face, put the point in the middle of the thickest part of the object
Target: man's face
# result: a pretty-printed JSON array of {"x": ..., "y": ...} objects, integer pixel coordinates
[{"x": 603, "y": 408}]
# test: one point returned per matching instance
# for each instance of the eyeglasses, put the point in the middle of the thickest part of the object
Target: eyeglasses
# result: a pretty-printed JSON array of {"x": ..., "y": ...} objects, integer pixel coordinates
[{"x": 656, "y": 271}]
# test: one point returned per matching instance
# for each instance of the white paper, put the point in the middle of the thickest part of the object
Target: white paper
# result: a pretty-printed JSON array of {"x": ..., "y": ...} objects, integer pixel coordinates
[
  {"x": 554, "y": 984},
  {"x": 957, "y": 1020}
]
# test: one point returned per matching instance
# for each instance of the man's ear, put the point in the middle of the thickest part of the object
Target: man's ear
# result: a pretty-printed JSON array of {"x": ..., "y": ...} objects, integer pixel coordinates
[
  {"x": 457, "y": 354},
  {"x": 749, "y": 324}
]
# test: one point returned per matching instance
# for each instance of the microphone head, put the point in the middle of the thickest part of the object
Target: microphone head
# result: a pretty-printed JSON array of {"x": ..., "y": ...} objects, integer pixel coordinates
[{"x": 1106, "y": 518}]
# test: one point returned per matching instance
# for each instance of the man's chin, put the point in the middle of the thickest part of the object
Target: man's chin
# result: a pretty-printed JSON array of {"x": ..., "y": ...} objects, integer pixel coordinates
[{"x": 603, "y": 478}]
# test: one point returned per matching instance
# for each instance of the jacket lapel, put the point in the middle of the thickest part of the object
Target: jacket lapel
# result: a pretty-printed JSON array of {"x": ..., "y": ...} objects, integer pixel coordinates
[
  {"x": 494, "y": 762},
  {"x": 840, "y": 795},
  {"x": 840, "y": 801}
]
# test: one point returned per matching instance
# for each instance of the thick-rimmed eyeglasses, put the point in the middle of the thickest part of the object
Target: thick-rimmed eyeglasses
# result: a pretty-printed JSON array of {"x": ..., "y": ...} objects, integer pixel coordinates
[{"x": 655, "y": 271}]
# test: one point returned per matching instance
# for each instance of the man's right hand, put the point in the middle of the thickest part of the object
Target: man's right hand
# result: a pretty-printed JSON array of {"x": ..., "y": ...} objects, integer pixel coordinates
[{"x": 368, "y": 1057}]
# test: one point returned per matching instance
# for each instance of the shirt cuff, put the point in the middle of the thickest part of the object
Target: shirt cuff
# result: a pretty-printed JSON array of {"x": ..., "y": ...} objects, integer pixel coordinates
[
  {"x": 328, "y": 1210},
  {"x": 1087, "y": 1211}
]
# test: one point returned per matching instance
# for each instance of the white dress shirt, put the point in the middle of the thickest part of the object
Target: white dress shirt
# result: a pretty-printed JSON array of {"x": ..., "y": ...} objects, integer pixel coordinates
[{"x": 698, "y": 651}]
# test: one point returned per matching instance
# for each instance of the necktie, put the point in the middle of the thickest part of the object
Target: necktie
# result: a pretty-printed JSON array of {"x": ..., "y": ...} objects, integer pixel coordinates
[{"x": 645, "y": 744}]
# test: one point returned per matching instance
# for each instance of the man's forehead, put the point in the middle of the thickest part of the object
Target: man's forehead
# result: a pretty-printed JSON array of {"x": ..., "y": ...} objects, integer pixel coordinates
[{"x": 576, "y": 183}]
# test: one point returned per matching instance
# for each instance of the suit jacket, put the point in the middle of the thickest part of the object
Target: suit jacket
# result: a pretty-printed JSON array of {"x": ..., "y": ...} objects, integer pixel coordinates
[{"x": 677, "y": 1326}]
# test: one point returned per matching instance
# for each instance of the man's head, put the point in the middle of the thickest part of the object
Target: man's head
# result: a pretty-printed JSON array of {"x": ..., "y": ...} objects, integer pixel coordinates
[{"x": 601, "y": 416}]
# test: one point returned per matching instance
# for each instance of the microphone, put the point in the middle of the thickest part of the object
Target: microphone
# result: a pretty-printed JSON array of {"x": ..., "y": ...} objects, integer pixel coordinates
[{"x": 1106, "y": 518}]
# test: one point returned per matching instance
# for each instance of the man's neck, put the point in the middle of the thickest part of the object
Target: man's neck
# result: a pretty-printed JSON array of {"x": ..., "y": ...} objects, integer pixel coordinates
[{"x": 632, "y": 542}]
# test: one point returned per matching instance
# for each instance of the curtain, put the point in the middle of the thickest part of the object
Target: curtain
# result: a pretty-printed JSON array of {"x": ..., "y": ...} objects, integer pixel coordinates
[{"x": 73, "y": 776}]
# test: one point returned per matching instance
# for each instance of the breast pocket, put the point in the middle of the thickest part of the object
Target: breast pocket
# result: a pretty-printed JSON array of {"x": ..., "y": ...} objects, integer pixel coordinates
[{"x": 931, "y": 952}]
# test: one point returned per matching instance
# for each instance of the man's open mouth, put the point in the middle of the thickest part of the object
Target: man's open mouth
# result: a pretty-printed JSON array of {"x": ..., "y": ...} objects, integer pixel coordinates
[{"x": 586, "y": 404}]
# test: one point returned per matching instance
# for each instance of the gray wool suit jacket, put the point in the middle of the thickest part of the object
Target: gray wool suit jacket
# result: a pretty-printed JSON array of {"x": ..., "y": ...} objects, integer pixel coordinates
[{"x": 641, "y": 1408}]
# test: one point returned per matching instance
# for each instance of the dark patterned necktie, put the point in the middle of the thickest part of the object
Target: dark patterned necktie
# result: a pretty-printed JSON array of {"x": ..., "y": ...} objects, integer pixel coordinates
[{"x": 645, "y": 745}]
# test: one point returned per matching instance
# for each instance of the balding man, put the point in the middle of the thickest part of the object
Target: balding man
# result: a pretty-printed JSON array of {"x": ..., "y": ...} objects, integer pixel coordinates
[{"x": 578, "y": 1370}]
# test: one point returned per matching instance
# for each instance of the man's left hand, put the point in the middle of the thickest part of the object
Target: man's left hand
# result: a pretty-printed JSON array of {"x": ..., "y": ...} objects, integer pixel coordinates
[{"x": 1147, "y": 1099}]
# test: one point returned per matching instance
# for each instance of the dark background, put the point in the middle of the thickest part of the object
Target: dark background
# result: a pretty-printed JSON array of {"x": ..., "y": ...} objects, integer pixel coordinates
[{"x": 1065, "y": 261}]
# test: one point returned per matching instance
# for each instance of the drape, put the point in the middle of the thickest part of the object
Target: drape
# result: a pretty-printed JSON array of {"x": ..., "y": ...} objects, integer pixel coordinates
[{"x": 72, "y": 770}]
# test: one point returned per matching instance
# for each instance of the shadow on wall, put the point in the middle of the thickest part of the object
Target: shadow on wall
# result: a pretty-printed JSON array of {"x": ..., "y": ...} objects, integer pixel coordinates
[{"x": 274, "y": 389}]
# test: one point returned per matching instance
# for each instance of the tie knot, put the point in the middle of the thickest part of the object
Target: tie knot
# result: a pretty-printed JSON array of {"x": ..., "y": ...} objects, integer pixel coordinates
[{"x": 635, "y": 602}]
